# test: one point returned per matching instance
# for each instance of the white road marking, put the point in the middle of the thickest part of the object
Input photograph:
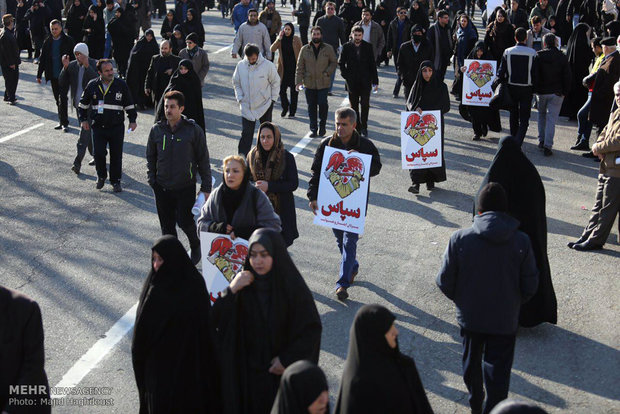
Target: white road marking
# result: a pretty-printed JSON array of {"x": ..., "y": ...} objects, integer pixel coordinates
[
  {"x": 102, "y": 347},
  {"x": 96, "y": 353},
  {"x": 18, "y": 133},
  {"x": 345, "y": 102},
  {"x": 223, "y": 49}
]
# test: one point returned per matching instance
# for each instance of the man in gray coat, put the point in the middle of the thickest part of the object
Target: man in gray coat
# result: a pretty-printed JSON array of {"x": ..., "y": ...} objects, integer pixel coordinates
[
  {"x": 198, "y": 56},
  {"x": 373, "y": 33},
  {"x": 253, "y": 32},
  {"x": 75, "y": 75}
]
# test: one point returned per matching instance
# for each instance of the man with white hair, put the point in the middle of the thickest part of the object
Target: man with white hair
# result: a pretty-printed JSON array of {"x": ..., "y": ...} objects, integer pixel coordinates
[{"x": 76, "y": 75}]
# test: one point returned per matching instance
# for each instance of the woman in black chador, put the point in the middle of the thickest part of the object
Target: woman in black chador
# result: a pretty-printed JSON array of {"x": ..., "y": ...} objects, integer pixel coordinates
[
  {"x": 139, "y": 61},
  {"x": 580, "y": 55},
  {"x": 429, "y": 93},
  {"x": 303, "y": 390},
  {"x": 75, "y": 20},
  {"x": 377, "y": 377},
  {"x": 120, "y": 30},
  {"x": 185, "y": 80},
  {"x": 264, "y": 321},
  {"x": 172, "y": 354},
  {"x": 526, "y": 202},
  {"x": 94, "y": 33}
]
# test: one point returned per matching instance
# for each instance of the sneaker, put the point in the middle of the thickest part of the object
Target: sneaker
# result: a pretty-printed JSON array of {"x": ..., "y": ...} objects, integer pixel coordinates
[
  {"x": 75, "y": 169},
  {"x": 322, "y": 131},
  {"x": 547, "y": 152},
  {"x": 91, "y": 162},
  {"x": 414, "y": 188},
  {"x": 341, "y": 293},
  {"x": 100, "y": 183},
  {"x": 430, "y": 185},
  {"x": 13, "y": 102},
  {"x": 582, "y": 145},
  {"x": 196, "y": 255},
  {"x": 116, "y": 187}
]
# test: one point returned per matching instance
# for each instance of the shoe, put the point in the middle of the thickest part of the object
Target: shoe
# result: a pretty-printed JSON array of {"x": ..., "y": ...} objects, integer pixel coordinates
[
  {"x": 541, "y": 144},
  {"x": 330, "y": 94},
  {"x": 589, "y": 155},
  {"x": 100, "y": 183},
  {"x": 313, "y": 134},
  {"x": 65, "y": 128},
  {"x": 395, "y": 95},
  {"x": 547, "y": 152},
  {"x": 476, "y": 137},
  {"x": 341, "y": 293},
  {"x": 13, "y": 102},
  {"x": 75, "y": 169},
  {"x": 91, "y": 162},
  {"x": 283, "y": 113},
  {"x": 587, "y": 246},
  {"x": 36, "y": 61},
  {"x": 196, "y": 255},
  {"x": 322, "y": 131},
  {"x": 291, "y": 115},
  {"x": 116, "y": 187},
  {"x": 582, "y": 145},
  {"x": 578, "y": 241},
  {"x": 430, "y": 186},
  {"x": 364, "y": 132},
  {"x": 57, "y": 127},
  {"x": 415, "y": 188}
]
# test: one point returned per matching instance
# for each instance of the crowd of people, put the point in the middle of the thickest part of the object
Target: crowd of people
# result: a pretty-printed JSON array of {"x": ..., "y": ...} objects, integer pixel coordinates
[{"x": 257, "y": 348}]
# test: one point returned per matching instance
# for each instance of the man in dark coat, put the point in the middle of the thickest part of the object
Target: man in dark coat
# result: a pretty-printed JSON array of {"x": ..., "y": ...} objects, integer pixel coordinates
[
  {"x": 517, "y": 15},
  {"x": 9, "y": 59},
  {"x": 358, "y": 68},
  {"x": 411, "y": 55},
  {"x": 22, "y": 355},
  {"x": 160, "y": 70},
  {"x": 488, "y": 294},
  {"x": 399, "y": 32},
  {"x": 440, "y": 39},
  {"x": 55, "y": 46},
  {"x": 37, "y": 17},
  {"x": 603, "y": 91}
]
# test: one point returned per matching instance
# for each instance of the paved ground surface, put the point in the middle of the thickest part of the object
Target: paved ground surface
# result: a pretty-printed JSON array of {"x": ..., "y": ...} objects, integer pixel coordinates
[{"x": 84, "y": 254}]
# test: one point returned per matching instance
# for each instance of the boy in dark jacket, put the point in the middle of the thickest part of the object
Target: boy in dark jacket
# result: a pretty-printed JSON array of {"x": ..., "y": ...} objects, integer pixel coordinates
[{"x": 488, "y": 294}]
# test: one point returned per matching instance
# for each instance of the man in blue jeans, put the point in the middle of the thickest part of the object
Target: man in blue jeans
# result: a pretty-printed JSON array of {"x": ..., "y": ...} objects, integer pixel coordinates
[{"x": 345, "y": 138}]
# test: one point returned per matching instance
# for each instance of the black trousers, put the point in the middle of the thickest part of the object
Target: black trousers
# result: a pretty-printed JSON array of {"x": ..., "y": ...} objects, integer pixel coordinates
[
  {"x": 11, "y": 77},
  {"x": 520, "y": 111},
  {"x": 357, "y": 97},
  {"x": 175, "y": 207},
  {"x": 247, "y": 133},
  {"x": 112, "y": 136},
  {"x": 488, "y": 359},
  {"x": 303, "y": 34},
  {"x": 291, "y": 106},
  {"x": 61, "y": 102}
]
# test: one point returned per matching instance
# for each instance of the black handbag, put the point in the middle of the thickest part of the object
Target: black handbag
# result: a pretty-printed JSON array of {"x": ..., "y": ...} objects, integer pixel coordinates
[{"x": 502, "y": 98}]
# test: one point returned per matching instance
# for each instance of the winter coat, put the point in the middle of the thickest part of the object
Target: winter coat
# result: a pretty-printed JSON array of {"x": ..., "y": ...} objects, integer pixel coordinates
[
  {"x": 316, "y": 72},
  {"x": 377, "y": 39},
  {"x": 608, "y": 144},
  {"x": 358, "y": 72},
  {"x": 409, "y": 60},
  {"x": 257, "y": 34},
  {"x": 256, "y": 87},
  {"x": 276, "y": 21},
  {"x": 603, "y": 91},
  {"x": 200, "y": 62},
  {"x": 297, "y": 45},
  {"x": 392, "y": 37},
  {"x": 46, "y": 65},
  {"x": 554, "y": 74}
]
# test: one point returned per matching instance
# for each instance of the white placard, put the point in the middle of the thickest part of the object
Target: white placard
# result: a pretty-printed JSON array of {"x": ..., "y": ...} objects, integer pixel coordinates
[
  {"x": 343, "y": 190},
  {"x": 477, "y": 80},
  {"x": 420, "y": 140},
  {"x": 492, "y": 5},
  {"x": 222, "y": 259}
]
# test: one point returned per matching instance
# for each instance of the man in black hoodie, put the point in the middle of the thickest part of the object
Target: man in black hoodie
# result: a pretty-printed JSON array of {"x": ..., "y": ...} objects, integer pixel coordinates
[{"x": 488, "y": 294}]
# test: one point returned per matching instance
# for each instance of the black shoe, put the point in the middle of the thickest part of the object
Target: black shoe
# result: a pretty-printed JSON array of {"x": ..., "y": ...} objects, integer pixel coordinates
[
  {"x": 330, "y": 94},
  {"x": 579, "y": 240},
  {"x": 394, "y": 95},
  {"x": 341, "y": 293},
  {"x": 91, "y": 162},
  {"x": 364, "y": 132},
  {"x": 116, "y": 187},
  {"x": 75, "y": 169},
  {"x": 313, "y": 134},
  {"x": 541, "y": 145},
  {"x": 57, "y": 127},
  {"x": 485, "y": 130},
  {"x": 430, "y": 186},
  {"x": 196, "y": 255},
  {"x": 65, "y": 128},
  {"x": 589, "y": 155},
  {"x": 291, "y": 115},
  {"x": 100, "y": 183},
  {"x": 414, "y": 188},
  {"x": 13, "y": 102},
  {"x": 322, "y": 131},
  {"x": 283, "y": 113},
  {"x": 587, "y": 246},
  {"x": 476, "y": 137},
  {"x": 582, "y": 145},
  {"x": 547, "y": 152}
]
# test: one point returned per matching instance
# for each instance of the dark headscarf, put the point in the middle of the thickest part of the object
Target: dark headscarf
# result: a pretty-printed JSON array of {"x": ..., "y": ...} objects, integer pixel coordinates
[
  {"x": 578, "y": 50},
  {"x": 485, "y": 52},
  {"x": 526, "y": 202},
  {"x": 189, "y": 85},
  {"x": 301, "y": 384},
  {"x": 427, "y": 95},
  {"x": 613, "y": 28},
  {"x": 497, "y": 28},
  {"x": 231, "y": 199},
  {"x": 195, "y": 26},
  {"x": 377, "y": 378},
  {"x": 139, "y": 61}
]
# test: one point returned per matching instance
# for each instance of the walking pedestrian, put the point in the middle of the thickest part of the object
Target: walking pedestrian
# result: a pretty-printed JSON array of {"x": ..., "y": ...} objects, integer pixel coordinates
[
  {"x": 108, "y": 97},
  {"x": 167, "y": 26},
  {"x": 488, "y": 294},
  {"x": 197, "y": 55},
  {"x": 9, "y": 59},
  {"x": 272, "y": 20},
  {"x": 372, "y": 33},
  {"x": 121, "y": 32},
  {"x": 302, "y": 13},
  {"x": 185, "y": 80},
  {"x": 94, "y": 33},
  {"x": 399, "y": 32},
  {"x": 193, "y": 24},
  {"x": 137, "y": 68},
  {"x": 499, "y": 35},
  {"x": 333, "y": 33},
  {"x": 75, "y": 20},
  {"x": 160, "y": 70},
  {"x": 440, "y": 39},
  {"x": 580, "y": 55},
  {"x": 345, "y": 138},
  {"x": 252, "y": 32},
  {"x": 606, "y": 77},
  {"x": 303, "y": 388},
  {"x": 288, "y": 46},
  {"x": 37, "y": 17}
]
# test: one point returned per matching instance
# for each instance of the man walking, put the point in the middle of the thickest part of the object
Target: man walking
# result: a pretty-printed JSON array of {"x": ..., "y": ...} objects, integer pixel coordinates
[
  {"x": 518, "y": 69},
  {"x": 373, "y": 33},
  {"x": 160, "y": 71},
  {"x": 607, "y": 202},
  {"x": 76, "y": 75},
  {"x": 333, "y": 33},
  {"x": 55, "y": 46},
  {"x": 257, "y": 87},
  {"x": 108, "y": 97},
  {"x": 9, "y": 59},
  {"x": 239, "y": 14},
  {"x": 253, "y": 32},
  {"x": 316, "y": 63},
  {"x": 303, "y": 19},
  {"x": 554, "y": 82},
  {"x": 359, "y": 71},
  {"x": 440, "y": 39},
  {"x": 488, "y": 294},
  {"x": 272, "y": 20},
  {"x": 198, "y": 56},
  {"x": 172, "y": 173},
  {"x": 399, "y": 32},
  {"x": 345, "y": 138},
  {"x": 411, "y": 55}
]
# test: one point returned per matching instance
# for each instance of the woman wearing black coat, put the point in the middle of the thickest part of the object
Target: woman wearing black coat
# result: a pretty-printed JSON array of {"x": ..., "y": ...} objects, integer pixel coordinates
[
  {"x": 429, "y": 93},
  {"x": 377, "y": 377},
  {"x": 121, "y": 31},
  {"x": 75, "y": 19},
  {"x": 193, "y": 24},
  {"x": 265, "y": 321},
  {"x": 172, "y": 352},
  {"x": 185, "y": 80},
  {"x": 139, "y": 61},
  {"x": 177, "y": 41},
  {"x": 580, "y": 55},
  {"x": 274, "y": 172},
  {"x": 167, "y": 26},
  {"x": 500, "y": 35},
  {"x": 418, "y": 15},
  {"x": 94, "y": 33}
]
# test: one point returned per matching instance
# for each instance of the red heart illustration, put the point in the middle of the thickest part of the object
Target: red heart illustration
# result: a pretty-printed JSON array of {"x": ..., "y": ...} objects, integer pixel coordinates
[
  {"x": 227, "y": 256},
  {"x": 421, "y": 129},
  {"x": 345, "y": 174}
]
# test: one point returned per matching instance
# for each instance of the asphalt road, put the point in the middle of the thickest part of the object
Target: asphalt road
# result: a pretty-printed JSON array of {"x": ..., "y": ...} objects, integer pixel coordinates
[{"x": 84, "y": 254}]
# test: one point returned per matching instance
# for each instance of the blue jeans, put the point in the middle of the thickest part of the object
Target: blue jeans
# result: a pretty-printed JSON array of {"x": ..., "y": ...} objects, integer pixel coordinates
[
  {"x": 347, "y": 244},
  {"x": 575, "y": 20},
  {"x": 584, "y": 126},
  {"x": 317, "y": 97},
  {"x": 548, "y": 112}
]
